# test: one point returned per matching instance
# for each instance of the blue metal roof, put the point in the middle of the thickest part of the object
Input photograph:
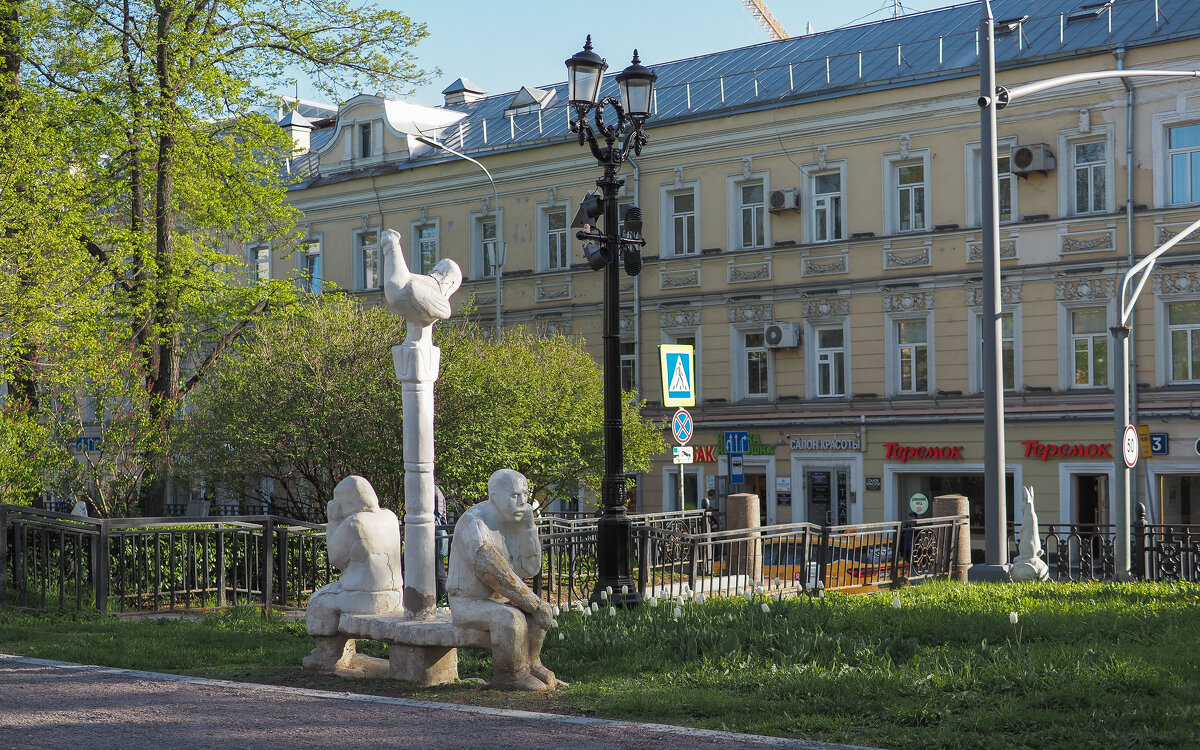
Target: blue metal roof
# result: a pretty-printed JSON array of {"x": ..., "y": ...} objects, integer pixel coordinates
[{"x": 918, "y": 48}]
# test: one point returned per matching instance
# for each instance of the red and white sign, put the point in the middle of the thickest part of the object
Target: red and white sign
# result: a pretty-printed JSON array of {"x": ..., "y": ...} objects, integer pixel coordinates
[{"x": 1129, "y": 446}]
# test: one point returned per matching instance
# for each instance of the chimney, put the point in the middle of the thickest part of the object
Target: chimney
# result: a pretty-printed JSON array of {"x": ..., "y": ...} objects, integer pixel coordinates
[
  {"x": 299, "y": 128},
  {"x": 463, "y": 91}
]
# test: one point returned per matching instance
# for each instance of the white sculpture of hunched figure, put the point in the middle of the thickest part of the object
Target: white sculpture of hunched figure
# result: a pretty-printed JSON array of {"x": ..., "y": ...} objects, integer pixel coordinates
[
  {"x": 364, "y": 544},
  {"x": 495, "y": 546},
  {"x": 1029, "y": 566}
]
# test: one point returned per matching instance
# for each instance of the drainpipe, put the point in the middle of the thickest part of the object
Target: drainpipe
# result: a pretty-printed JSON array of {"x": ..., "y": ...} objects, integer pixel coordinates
[
  {"x": 1131, "y": 383},
  {"x": 637, "y": 325}
]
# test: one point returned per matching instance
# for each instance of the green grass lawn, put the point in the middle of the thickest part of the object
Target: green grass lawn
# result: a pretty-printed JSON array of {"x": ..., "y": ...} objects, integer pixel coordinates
[{"x": 1086, "y": 665}]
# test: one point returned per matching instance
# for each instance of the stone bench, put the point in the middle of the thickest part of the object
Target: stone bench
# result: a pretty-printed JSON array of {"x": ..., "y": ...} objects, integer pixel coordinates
[{"x": 423, "y": 651}]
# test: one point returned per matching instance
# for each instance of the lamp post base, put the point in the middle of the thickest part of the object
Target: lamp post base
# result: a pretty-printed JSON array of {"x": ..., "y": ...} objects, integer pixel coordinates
[
  {"x": 988, "y": 573},
  {"x": 614, "y": 547}
]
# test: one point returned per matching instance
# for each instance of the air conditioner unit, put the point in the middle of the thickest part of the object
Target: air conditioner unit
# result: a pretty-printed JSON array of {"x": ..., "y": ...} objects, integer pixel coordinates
[
  {"x": 782, "y": 335},
  {"x": 1034, "y": 157},
  {"x": 787, "y": 199}
]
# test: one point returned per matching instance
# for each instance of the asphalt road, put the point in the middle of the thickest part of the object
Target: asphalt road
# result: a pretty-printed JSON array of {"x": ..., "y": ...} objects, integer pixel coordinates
[{"x": 46, "y": 704}]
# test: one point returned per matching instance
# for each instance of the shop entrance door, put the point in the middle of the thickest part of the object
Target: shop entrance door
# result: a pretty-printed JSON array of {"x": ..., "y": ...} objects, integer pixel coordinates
[
  {"x": 828, "y": 495},
  {"x": 1091, "y": 498}
]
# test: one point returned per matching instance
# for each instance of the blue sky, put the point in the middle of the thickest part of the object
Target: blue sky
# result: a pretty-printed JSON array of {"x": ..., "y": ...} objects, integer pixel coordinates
[{"x": 502, "y": 45}]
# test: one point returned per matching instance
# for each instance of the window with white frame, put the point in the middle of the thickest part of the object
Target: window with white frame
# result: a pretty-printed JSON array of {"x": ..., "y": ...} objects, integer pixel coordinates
[
  {"x": 364, "y": 140},
  {"x": 1090, "y": 172},
  {"x": 366, "y": 259},
  {"x": 910, "y": 197},
  {"x": 1089, "y": 346},
  {"x": 308, "y": 263},
  {"x": 1006, "y": 184},
  {"x": 1008, "y": 351},
  {"x": 1183, "y": 152},
  {"x": 1183, "y": 332},
  {"x": 829, "y": 348},
  {"x": 628, "y": 365},
  {"x": 260, "y": 262},
  {"x": 748, "y": 227},
  {"x": 753, "y": 362},
  {"x": 910, "y": 355},
  {"x": 683, "y": 222},
  {"x": 554, "y": 238},
  {"x": 906, "y": 185},
  {"x": 425, "y": 238},
  {"x": 486, "y": 243},
  {"x": 826, "y": 203}
]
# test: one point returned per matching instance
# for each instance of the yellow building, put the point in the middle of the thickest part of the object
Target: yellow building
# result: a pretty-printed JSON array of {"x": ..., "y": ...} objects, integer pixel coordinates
[{"x": 813, "y": 218}]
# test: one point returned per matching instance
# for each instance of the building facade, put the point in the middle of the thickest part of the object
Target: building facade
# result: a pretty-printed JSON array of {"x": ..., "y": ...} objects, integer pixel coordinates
[{"x": 812, "y": 211}]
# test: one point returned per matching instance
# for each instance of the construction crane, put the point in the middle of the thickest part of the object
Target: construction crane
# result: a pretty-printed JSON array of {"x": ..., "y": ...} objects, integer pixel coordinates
[{"x": 766, "y": 19}]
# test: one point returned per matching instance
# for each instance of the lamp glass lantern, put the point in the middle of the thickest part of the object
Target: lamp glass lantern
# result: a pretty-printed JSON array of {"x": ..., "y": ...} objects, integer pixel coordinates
[
  {"x": 585, "y": 71},
  {"x": 637, "y": 88}
]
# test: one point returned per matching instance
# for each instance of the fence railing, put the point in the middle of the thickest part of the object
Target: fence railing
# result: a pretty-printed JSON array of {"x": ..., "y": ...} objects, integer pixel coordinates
[
  {"x": 787, "y": 559},
  {"x": 154, "y": 564}
]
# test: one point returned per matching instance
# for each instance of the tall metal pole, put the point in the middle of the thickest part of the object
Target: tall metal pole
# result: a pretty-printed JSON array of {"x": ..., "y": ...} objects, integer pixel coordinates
[
  {"x": 614, "y": 530},
  {"x": 1121, "y": 417},
  {"x": 995, "y": 510}
]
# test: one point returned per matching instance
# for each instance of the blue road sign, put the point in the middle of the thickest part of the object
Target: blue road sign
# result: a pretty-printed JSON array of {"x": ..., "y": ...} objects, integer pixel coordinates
[
  {"x": 737, "y": 442},
  {"x": 737, "y": 470},
  {"x": 678, "y": 374}
]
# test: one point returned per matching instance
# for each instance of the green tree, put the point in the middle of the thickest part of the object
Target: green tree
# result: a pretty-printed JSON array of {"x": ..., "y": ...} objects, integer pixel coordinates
[
  {"x": 152, "y": 113},
  {"x": 311, "y": 397}
]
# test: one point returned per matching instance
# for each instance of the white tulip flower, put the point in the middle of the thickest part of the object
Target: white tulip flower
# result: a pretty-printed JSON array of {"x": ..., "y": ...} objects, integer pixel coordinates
[
  {"x": 612, "y": 611},
  {"x": 765, "y": 608},
  {"x": 677, "y": 613},
  {"x": 896, "y": 602},
  {"x": 1012, "y": 617}
]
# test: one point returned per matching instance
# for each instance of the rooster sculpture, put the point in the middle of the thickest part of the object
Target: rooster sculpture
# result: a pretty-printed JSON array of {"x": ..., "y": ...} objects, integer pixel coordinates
[{"x": 419, "y": 299}]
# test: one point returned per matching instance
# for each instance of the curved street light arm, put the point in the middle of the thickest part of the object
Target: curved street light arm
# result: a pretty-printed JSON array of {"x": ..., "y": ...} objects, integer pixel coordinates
[
  {"x": 1144, "y": 267},
  {"x": 1005, "y": 96},
  {"x": 502, "y": 255}
]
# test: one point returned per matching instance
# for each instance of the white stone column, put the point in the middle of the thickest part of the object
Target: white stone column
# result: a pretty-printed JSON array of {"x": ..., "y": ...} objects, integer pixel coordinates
[{"x": 417, "y": 369}]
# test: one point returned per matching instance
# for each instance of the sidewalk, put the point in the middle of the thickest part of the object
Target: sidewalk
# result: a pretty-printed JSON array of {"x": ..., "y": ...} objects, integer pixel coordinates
[{"x": 59, "y": 705}]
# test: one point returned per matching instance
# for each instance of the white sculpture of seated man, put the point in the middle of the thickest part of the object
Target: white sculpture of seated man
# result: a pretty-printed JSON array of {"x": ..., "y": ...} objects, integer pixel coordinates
[
  {"x": 364, "y": 544},
  {"x": 495, "y": 546}
]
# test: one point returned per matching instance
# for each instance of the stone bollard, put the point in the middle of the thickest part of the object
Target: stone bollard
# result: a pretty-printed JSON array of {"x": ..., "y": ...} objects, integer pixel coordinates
[
  {"x": 957, "y": 505},
  {"x": 745, "y": 557}
]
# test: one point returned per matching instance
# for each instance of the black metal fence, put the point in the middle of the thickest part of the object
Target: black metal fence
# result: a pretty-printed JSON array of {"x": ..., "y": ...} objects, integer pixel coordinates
[
  {"x": 673, "y": 560},
  {"x": 52, "y": 559}
]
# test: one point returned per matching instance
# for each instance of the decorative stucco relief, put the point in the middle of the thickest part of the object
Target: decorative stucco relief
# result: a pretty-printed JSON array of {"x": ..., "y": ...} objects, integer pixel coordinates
[
  {"x": 1085, "y": 289},
  {"x": 1008, "y": 250},
  {"x": 826, "y": 307},
  {"x": 825, "y": 265},
  {"x": 907, "y": 258},
  {"x": 1178, "y": 282},
  {"x": 1089, "y": 242},
  {"x": 685, "y": 318},
  {"x": 907, "y": 301},
  {"x": 749, "y": 272},
  {"x": 1010, "y": 294},
  {"x": 678, "y": 279},
  {"x": 553, "y": 292},
  {"x": 751, "y": 313}
]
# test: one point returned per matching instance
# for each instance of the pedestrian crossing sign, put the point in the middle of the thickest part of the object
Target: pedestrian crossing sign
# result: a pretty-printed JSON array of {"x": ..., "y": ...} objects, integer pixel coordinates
[{"x": 678, "y": 374}]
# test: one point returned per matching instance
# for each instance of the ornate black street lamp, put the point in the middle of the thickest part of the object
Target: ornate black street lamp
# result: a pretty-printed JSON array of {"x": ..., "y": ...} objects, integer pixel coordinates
[{"x": 585, "y": 72}]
